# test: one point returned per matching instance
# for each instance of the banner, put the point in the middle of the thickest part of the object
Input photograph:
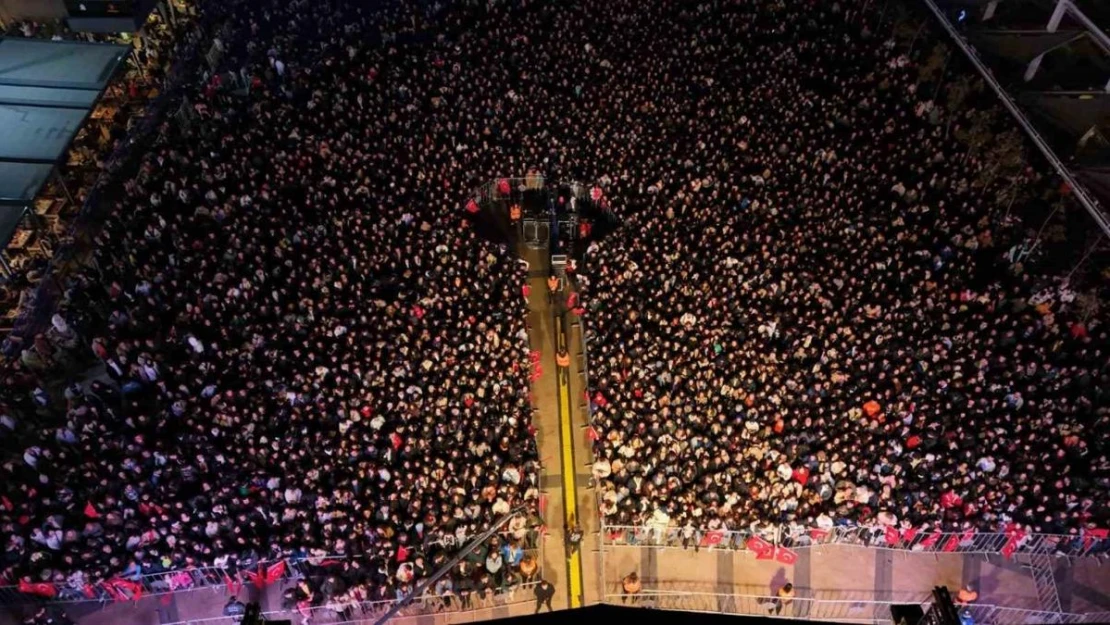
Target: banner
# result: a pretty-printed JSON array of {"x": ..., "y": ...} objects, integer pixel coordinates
[
  {"x": 41, "y": 589},
  {"x": 931, "y": 540},
  {"x": 786, "y": 556},
  {"x": 275, "y": 572},
  {"x": 760, "y": 547},
  {"x": 891, "y": 535}
]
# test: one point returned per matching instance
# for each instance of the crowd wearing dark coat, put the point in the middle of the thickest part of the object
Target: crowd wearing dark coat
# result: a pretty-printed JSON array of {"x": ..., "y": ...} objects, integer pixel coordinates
[
  {"x": 318, "y": 356},
  {"x": 816, "y": 313},
  {"x": 328, "y": 361}
]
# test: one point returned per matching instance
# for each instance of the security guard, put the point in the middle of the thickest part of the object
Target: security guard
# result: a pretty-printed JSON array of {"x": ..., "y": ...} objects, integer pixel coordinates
[
  {"x": 563, "y": 360},
  {"x": 966, "y": 595},
  {"x": 631, "y": 586}
]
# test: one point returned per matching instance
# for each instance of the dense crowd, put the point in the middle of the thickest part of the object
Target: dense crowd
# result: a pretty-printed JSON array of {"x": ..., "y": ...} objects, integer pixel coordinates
[
  {"x": 816, "y": 312},
  {"x": 315, "y": 357},
  {"x": 808, "y": 314}
]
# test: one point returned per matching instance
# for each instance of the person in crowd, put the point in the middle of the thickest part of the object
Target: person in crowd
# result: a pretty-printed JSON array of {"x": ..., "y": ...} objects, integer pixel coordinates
[
  {"x": 552, "y": 288},
  {"x": 818, "y": 312},
  {"x": 630, "y": 588},
  {"x": 784, "y": 598},
  {"x": 315, "y": 359},
  {"x": 544, "y": 592},
  {"x": 562, "y": 363},
  {"x": 235, "y": 609},
  {"x": 815, "y": 313},
  {"x": 967, "y": 595},
  {"x": 574, "y": 537}
]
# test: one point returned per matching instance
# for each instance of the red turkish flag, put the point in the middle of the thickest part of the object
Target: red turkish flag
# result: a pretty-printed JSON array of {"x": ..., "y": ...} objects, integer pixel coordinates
[
  {"x": 712, "y": 538},
  {"x": 125, "y": 589},
  {"x": 275, "y": 571},
  {"x": 931, "y": 540},
  {"x": 1090, "y": 536},
  {"x": 765, "y": 555},
  {"x": 818, "y": 534},
  {"x": 909, "y": 533},
  {"x": 786, "y": 556},
  {"x": 950, "y": 500},
  {"x": 503, "y": 186},
  {"x": 891, "y": 535},
  {"x": 951, "y": 544},
  {"x": 1010, "y": 547},
  {"x": 41, "y": 589},
  {"x": 113, "y": 592},
  {"x": 233, "y": 585},
  {"x": 257, "y": 578},
  {"x": 91, "y": 512},
  {"x": 760, "y": 546},
  {"x": 472, "y": 207}
]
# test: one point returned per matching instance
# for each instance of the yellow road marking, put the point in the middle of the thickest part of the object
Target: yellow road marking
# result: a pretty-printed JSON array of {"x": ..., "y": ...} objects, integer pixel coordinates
[{"x": 570, "y": 493}]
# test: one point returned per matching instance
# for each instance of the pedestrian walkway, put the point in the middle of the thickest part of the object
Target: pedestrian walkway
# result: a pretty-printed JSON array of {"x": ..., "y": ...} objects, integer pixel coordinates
[
  {"x": 558, "y": 422},
  {"x": 850, "y": 573}
]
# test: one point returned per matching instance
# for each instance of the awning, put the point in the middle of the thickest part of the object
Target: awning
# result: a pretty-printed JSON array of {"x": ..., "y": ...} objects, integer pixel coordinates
[
  {"x": 59, "y": 64},
  {"x": 47, "y": 91},
  {"x": 20, "y": 182},
  {"x": 10, "y": 216}
]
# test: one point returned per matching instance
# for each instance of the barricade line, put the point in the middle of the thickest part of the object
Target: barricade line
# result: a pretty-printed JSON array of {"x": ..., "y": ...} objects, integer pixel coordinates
[{"x": 872, "y": 537}]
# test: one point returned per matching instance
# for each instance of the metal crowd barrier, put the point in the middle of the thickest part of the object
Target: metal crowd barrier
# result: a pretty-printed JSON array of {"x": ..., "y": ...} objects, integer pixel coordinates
[
  {"x": 340, "y": 613},
  {"x": 830, "y": 610},
  {"x": 194, "y": 578},
  {"x": 998, "y": 615},
  {"x": 874, "y": 537},
  {"x": 517, "y": 185}
]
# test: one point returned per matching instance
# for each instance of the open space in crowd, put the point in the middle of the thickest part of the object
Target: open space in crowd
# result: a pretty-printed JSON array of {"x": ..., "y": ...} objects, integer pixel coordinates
[{"x": 829, "y": 302}]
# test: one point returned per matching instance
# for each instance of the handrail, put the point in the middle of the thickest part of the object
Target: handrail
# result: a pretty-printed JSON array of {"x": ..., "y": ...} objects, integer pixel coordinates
[
  {"x": 872, "y": 537},
  {"x": 830, "y": 610},
  {"x": 183, "y": 580},
  {"x": 447, "y": 567},
  {"x": 366, "y": 610}
]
